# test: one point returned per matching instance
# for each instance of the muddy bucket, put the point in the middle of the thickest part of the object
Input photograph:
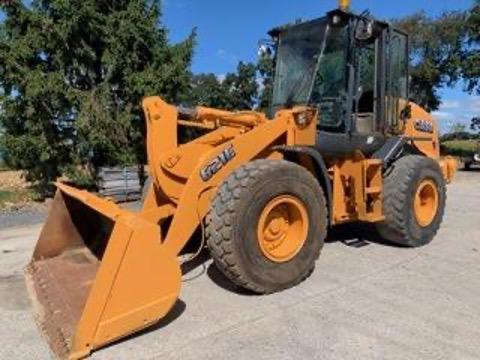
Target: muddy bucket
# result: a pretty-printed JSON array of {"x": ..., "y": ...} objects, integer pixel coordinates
[{"x": 98, "y": 273}]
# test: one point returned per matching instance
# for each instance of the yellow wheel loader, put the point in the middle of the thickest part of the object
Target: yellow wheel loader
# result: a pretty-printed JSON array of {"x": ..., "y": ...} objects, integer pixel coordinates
[{"x": 341, "y": 144}]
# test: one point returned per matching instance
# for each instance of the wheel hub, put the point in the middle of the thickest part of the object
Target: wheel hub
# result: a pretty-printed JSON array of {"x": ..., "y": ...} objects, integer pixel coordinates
[
  {"x": 426, "y": 202},
  {"x": 282, "y": 228}
]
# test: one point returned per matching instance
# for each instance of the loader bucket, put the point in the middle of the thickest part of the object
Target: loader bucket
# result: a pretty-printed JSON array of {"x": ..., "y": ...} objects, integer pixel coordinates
[{"x": 98, "y": 273}]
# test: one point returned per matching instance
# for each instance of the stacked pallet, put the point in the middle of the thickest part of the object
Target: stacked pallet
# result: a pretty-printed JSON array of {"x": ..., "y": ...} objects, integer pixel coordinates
[{"x": 120, "y": 183}]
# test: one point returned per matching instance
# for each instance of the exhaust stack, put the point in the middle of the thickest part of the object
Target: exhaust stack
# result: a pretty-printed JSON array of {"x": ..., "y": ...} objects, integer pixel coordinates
[{"x": 344, "y": 5}]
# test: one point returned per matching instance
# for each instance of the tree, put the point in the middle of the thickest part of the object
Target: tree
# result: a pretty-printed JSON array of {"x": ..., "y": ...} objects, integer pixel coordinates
[
  {"x": 266, "y": 70},
  {"x": 237, "y": 91},
  {"x": 206, "y": 90},
  {"x": 475, "y": 124},
  {"x": 436, "y": 45},
  {"x": 242, "y": 87},
  {"x": 470, "y": 64},
  {"x": 458, "y": 128},
  {"x": 73, "y": 74}
]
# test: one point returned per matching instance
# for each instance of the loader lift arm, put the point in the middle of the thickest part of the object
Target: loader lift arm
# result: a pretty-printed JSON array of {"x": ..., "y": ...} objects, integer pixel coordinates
[{"x": 178, "y": 174}]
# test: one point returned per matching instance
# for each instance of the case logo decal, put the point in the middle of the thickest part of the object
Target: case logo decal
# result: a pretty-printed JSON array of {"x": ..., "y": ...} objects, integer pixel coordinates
[{"x": 424, "y": 126}]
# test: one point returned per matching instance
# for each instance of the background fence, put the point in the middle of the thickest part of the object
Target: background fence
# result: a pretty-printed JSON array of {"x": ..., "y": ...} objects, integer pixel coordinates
[{"x": 120, "y": 183}]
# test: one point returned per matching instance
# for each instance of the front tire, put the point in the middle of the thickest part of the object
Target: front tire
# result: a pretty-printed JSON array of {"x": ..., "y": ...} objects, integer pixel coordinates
[
  {"x": 414, "y": 201},
  {"x": 267, "y": 225}
]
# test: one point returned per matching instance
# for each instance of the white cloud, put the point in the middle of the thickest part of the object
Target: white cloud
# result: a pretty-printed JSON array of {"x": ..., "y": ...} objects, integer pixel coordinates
[
  {"x": 475, "y": 103},
  {"x": 443, "y": 115},
  {"x": 457, "y": 111},
  {"x": 221, "y": 52},
  {"x": 462, "y": 109},
  {"x": 450, "y": 104}
]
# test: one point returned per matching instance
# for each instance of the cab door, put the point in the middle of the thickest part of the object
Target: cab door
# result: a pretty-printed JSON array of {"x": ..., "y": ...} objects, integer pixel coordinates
[{"x": 396, "y": 79}]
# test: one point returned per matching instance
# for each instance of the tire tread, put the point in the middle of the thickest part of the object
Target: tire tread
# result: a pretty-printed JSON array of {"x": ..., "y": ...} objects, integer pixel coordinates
[{"x": 219, "y": 221}]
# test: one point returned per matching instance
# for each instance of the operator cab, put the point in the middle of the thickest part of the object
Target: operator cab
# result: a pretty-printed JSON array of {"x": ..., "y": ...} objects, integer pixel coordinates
[{"x": 353, "y": 69}]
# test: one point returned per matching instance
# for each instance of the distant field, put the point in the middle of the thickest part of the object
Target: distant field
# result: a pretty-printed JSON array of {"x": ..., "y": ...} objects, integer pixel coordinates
[{"x": 462, "y": 148}]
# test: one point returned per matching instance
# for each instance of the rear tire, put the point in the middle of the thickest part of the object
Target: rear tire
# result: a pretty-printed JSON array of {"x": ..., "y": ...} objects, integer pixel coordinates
[
  {"x": 404, "y": 224},
  {"x": 234, "y": 240}
]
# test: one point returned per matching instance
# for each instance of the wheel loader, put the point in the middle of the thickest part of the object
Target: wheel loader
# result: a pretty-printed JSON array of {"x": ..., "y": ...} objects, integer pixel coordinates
[{"x": 340, "y": 144}]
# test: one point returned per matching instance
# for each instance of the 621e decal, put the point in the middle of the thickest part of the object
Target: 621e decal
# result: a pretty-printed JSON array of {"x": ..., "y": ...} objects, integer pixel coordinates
[{"x": 216, "y": 164}]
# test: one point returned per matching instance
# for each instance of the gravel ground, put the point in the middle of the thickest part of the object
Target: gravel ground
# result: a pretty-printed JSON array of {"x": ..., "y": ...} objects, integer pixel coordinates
[
  {"x": 365, "y": 300},
  {"x": 23, "y": 217}
]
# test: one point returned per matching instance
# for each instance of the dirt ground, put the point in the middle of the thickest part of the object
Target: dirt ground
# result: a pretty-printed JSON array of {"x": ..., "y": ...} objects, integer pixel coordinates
[
  {"x": 365, "y": 300},
  {"x": 11, "y": 179},
  {"x": 15, "y": 193}
]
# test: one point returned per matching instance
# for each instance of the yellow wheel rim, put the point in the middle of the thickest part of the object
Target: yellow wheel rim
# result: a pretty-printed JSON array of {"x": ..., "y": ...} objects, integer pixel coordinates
[
  {"x": 282, "y": 228},
  {"x": 426, "y": 202}
]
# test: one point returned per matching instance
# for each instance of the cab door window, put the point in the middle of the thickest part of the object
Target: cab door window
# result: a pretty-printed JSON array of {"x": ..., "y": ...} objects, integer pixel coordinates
[{"x": 397, "y": 77}]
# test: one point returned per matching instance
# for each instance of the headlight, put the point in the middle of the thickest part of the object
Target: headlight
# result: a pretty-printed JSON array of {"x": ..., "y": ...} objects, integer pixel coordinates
[
  {"x": 301, "y": 119},
  {"x": 476, "y": 157},
  {"x": 304, "y": 118}
]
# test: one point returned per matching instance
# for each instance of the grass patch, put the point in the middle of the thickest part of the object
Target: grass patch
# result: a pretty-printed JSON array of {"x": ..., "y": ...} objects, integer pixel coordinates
[
  {"x": 463, "y": 148},
  {"x": 15, "y": 197}
]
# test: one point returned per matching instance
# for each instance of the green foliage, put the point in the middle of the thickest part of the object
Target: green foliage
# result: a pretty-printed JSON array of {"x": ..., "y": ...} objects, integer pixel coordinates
[
  {"x": 459, "y": 135},
  {"x": 470, "y": 65},
  {"x": 461, "y": 148},
  {"x": 436, "y": 45},
  {"x": 458, "y": 128},
  {"x": 82, "y": 177},
  {"x": 444, "y": 50},
  {"x": 206, "y": 90},
  {"x": 475, "y": 125},
  {"x": 237, "y": 91},
  {"x": 242, "y": 87},
  {"x": 266, "y": 70},
  {"x": 460, "y": 143},
  {"x": 73, "y": 74}
]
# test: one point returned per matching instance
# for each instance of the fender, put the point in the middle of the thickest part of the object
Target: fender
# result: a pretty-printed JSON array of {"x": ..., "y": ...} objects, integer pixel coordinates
[{"x": 321, "y": 171}]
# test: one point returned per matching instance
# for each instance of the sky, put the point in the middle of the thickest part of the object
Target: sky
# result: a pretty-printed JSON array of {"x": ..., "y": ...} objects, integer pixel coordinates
[{"x": 229, "y": 32}]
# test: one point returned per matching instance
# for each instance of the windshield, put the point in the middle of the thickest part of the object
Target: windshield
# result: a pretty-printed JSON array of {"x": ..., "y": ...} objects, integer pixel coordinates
[
  {"x": 329, "y": 88},
  {"x": 298, "y": 51},
  {"x": 311, "y": 69}
]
